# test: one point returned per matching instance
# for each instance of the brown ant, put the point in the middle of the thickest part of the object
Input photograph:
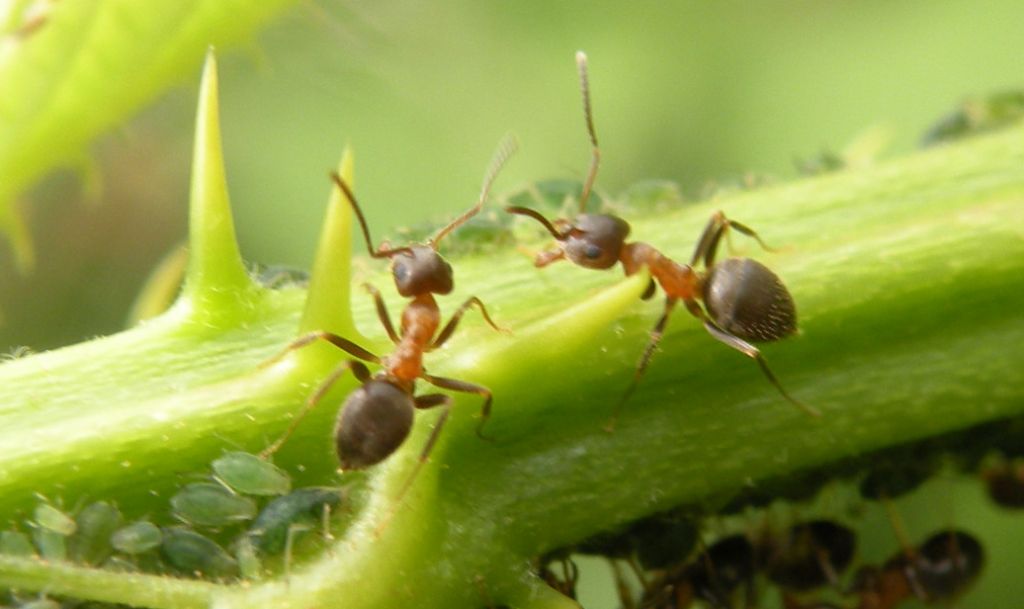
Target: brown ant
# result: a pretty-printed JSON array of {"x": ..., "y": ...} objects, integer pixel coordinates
[
  {"x": 744, "y": 301},
  {"x": 377, "y": 416}
]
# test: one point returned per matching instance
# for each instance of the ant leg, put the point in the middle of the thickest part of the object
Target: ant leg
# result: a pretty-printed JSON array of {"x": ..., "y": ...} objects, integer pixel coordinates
[
  {"x": 718, "y": 225},
  {"x": 652, "y": 344},
  {"x": 342, "y": 343},
  {"x": 358, "y": 370},
  {"x": 382, "y": 312},
  {"x": 449, "y": 328},
  {"x": 547, "y": 257},
  {"x": 422, "y": 402},
  {"x": 750, "y": 351},
  {"x": 463, "y": 386},
  {"x": 649, "y": 290}
]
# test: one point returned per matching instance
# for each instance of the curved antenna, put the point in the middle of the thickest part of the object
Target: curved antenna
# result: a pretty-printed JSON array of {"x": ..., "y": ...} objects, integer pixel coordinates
[
  {"x": 506, "y": 148},
  {"x": 351, "y": 197},
  {"x": 588, "y": 115},
  {"x": 536, "y": 215}
]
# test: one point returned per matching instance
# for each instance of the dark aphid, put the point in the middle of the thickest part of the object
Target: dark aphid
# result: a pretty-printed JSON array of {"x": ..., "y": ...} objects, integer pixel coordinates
[
  {"x": 1005, "y": 483},
  {"x": 13, "y": 543},
  {"x": 744, "y": 302},
  {"x": 211, "y": 505},
  {"x": 248, "y": 474},
  {"x": 811, "y": 555},
  {"x": 662, "y": 541},
  {"x": 96, "y": 523},
  {"x": 269, "y": 531},
  {"x": 136, "y": 538},
  {"x": 193, "y": 554},
  {"x": 377, "y": 417},
  {"x": 897, "y": 476},
  {"x": 977, "y": 116}
]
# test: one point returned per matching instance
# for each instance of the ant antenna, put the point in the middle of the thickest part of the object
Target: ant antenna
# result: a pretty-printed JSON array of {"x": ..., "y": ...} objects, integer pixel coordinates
[
  {"x": 581, "y": 64},
  {"x": 506, "y": 148},
  {"x": 351, "y": 197}
]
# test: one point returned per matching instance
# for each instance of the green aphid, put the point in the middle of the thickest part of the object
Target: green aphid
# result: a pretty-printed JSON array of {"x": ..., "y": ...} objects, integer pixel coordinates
[
  {"x": 249, "y": 564},
  {"x": 193, "y": 554},
  {"x": 51, "y": 545},
  {"x": 250, "y": 475},
  {"x": 136, "y": 538},
  {"x": 13, "y": 543},
  {"x": 52, "y": 519},
  {"x": 41, "y": 603},
  {"x": 96, "y": 523},
  {"x": 269, "y": 531},
  {"x": 211, "y": 505}
]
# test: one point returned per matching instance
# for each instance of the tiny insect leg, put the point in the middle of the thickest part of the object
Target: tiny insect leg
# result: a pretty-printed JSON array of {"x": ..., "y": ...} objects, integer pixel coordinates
[
  {"x": 718, "y": 225},
  {"x": 656, "y": 333},
  {"x": 306, "y": 339},
  {"x": 750, "y": 351},
  {"x": 358, "y": 370},
  {"x": 382, "y": 312},
  {"x": 423, "y": 402},
  {"x": 453, "y": 323},
  {"x": 463, "y": 386}
]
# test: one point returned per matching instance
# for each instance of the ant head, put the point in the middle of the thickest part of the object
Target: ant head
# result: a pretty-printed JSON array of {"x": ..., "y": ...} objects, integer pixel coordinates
[
  {"x": 595, "y": 241},
  {"x": 374, "y": 421},
  {"x": 419, "y": 269},
  {"x": 747, "y": 300}
]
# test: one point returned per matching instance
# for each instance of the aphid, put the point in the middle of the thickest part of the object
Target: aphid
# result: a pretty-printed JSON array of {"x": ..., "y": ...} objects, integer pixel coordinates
[
  {"x": 136, "y": 538},
  {"x": 248, "y": 474},
  {"x": 96, "y": 523},
  {"x": 377, "y": 416},
  {"x": 193, "y": 554},
  {"x": 51, "y": 528},
  {"x": 14, "y": 543},
  {"x": 269, "y": 532},
  {"x": 743, "y": 301},
  {"x": 939, "y": 570},
  {"x": 211, "y": 505}
]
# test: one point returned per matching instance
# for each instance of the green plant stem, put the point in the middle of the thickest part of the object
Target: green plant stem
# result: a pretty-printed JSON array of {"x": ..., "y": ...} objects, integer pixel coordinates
[{"x": 907, "y": 277}]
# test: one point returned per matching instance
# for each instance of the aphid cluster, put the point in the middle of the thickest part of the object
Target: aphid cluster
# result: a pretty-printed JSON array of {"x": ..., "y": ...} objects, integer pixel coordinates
[{"x": 221, "y": 528}]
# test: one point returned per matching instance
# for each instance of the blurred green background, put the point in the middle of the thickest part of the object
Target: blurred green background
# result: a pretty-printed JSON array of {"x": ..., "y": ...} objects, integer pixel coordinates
[{"x": 690, "y": 91}]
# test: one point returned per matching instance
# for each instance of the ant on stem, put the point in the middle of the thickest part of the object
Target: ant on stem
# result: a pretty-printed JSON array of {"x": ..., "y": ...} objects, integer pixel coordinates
[
  {"x": 743, "y": 301},
  {"x": 377, "y": 416}
]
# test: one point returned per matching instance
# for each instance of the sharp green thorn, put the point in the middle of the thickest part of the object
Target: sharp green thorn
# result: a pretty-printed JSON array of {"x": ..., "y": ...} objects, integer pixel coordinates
[
  {"x": 216, "y": 274},
  {"x": 328, "y": 306}
]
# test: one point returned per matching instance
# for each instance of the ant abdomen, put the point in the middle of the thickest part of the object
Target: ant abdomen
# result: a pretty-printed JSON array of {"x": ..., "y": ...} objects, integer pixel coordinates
[
  {"x": 746, "y": 299},
  {"x": 947, "y": 563},
  {"x": 374, "y": 421}
]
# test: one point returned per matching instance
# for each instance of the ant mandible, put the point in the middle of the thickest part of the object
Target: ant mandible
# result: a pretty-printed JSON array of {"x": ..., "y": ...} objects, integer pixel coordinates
[
  {"x": 377, "y": 416},
  {"x": 744, "y": 301}
]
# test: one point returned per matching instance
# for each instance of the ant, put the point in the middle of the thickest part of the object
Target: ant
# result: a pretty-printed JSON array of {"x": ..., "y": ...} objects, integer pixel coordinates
[
  {"x": 744, "y": 301},
  {"x": 377, "y": 416},
  {"x": 940, "y": 569}
]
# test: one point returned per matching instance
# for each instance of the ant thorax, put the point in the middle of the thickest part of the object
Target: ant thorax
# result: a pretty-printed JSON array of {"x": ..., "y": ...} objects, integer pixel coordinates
[{"x": 677, "y": 280}]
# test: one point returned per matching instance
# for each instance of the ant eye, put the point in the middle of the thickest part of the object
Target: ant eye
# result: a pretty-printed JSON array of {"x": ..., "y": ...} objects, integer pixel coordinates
[
  {"x": 593, "y": 252},
  {"x": 400, "y": 271}
]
